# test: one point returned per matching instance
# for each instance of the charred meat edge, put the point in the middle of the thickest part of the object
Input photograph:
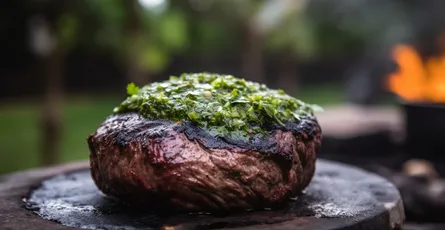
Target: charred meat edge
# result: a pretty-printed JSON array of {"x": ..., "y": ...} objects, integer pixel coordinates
[{"x": 180, "y": 167}]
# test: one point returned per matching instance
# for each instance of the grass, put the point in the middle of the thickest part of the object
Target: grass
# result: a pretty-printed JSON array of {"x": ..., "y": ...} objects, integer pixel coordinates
[{"x": 20, "y": 135}]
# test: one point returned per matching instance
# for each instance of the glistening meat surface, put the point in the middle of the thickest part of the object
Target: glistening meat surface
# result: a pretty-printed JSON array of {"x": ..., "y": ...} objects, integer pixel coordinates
[{"x": 162, "y": 165}]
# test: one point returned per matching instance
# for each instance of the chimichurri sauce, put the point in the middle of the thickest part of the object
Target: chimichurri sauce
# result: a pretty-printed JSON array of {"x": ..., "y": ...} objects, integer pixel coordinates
[{"x": 220, "y": 104}]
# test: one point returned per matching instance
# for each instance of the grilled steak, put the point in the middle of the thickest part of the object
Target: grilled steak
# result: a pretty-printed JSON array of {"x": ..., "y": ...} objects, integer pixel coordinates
[
  {"x": 205, "y": 143},
  {"x": 180, "y": 167}
]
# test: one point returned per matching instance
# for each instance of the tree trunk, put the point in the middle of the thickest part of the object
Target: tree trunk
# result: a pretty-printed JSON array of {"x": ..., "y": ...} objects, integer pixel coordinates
[
  {"x": 136, "y": 73},
  {"x": 50, "y": 62},
  {"x": 52, "y": 103},
  {"x": 288, "y": 75},
  {"x": 252, "y": 64}
]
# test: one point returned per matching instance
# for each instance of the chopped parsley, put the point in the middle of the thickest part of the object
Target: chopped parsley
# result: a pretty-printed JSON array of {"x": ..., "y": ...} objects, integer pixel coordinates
[
  {"x": 132, "y": 89},
  {"x": 220, "y": 104}
]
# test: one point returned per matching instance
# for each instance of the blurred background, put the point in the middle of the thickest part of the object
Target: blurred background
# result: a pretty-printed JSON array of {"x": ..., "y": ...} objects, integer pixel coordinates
[
  {"x": 65, "y": 64},
  {"x": 376, "y": 66}
]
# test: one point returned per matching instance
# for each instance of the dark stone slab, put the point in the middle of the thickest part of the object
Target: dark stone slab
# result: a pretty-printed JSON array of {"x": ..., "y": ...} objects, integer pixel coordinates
[
  {"x": 14, "y": 188},
  {"x": 425, "y": 226},
  {"x": 423, "y": 195},
  {"x": 339, "y": 197}
]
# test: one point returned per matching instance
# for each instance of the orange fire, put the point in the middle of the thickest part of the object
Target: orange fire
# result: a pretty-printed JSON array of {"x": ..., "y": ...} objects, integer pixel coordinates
[{"x": 417, "y": 80}]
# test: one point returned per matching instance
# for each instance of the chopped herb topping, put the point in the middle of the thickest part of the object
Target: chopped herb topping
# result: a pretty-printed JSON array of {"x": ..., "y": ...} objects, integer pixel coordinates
[
  {"x": 220, "y": 104},
  {"x": 132, "y": 89}
]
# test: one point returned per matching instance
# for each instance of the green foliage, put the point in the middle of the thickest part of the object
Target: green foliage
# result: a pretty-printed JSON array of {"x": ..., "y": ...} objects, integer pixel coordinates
[
  {"x": 68, "y": 29},
  {"x": 153, "y": 57},
  {"x": 177, "y": 29},
  {"x": 106, "y": 24},
  {"x": 296, "y": 35},
  {"x": 162, "y": 34},
  {"x": 173, "y": 30}
]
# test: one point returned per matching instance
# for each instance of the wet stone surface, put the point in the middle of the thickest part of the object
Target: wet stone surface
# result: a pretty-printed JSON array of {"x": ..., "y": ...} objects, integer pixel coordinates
[{"x": 339, "y": 196}]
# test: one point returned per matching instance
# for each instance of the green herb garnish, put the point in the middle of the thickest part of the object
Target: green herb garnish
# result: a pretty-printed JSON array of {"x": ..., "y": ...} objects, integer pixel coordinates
[
  {"x": 220, "y": 104},
  {"x": 132, "y": 89}
]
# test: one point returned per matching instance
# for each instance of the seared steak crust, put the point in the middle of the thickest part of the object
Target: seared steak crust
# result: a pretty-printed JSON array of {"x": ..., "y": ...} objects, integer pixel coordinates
[{"x": 180, "y": 167}]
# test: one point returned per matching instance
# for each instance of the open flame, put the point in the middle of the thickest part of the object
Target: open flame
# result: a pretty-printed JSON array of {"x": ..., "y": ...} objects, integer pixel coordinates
[{"x": 417, "y": 80}]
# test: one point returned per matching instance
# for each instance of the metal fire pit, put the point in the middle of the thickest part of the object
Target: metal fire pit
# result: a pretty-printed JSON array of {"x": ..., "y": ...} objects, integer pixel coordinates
[
  {"x": 60, "y": 197},
  {"x": 425, "y": 129}
]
